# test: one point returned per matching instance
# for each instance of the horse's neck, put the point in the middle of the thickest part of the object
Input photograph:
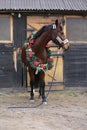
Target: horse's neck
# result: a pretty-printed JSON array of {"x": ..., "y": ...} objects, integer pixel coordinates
[{"x": 39, "y": 46}]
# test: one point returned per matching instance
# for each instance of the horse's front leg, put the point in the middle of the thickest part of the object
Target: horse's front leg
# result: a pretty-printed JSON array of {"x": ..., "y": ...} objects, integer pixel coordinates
[
  {"x": 43, "y": 91},
  {"x": 42, "y": 87}
]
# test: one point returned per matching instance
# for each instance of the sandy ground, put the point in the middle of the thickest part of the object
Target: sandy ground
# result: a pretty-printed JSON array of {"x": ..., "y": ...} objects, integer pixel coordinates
[{"x": 65, "y": 110}]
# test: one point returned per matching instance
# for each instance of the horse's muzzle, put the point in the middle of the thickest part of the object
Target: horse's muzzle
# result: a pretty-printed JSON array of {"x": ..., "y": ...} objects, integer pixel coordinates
[{"x": 66, "y": 46}]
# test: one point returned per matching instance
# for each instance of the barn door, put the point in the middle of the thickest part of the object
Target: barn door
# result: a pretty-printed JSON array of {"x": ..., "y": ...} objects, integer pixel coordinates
[{"x": 36, "y": 22}]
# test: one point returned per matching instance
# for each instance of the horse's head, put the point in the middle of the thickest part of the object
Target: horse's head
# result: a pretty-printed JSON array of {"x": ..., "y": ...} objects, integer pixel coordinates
[{"x": 58, "y": 36}]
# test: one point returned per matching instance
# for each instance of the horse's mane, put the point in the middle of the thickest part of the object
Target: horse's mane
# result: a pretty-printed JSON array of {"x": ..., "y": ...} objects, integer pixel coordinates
[{"x": 43, "y": 29}]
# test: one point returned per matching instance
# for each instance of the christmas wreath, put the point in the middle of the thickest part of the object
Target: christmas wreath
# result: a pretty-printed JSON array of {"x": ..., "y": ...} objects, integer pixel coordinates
[{"x": 33, "y": 60}]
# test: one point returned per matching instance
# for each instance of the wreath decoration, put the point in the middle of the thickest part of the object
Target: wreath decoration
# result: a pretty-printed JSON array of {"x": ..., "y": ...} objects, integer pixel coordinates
[{"x": 33, "y": 60}]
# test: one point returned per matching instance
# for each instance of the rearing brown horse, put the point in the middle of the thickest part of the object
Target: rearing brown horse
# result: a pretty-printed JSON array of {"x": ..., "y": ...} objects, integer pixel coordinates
[{"x": 36, "y": 56}]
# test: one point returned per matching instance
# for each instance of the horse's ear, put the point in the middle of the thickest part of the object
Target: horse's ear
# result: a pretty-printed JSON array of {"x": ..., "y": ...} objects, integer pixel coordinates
[
  {"x": 63, "y": 21},
  {"x": 56, "y": 22}
]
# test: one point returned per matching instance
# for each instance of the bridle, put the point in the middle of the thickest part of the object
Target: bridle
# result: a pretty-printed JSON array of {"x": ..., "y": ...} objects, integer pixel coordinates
[{"x": 57, "y": 38}]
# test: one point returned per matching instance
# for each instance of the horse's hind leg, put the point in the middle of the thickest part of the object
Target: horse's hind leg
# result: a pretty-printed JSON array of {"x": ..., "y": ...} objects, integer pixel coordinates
[{"x": 31, "y": 74}]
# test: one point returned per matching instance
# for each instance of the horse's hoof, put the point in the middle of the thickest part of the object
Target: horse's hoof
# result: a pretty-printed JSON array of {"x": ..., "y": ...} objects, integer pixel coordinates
[
  {"x": 45, "y": 103},
  {"x": 32, "y": 100}
]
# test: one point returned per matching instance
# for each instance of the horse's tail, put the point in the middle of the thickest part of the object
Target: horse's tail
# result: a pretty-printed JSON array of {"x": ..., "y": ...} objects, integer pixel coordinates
[{"x": 36, "y": 80}]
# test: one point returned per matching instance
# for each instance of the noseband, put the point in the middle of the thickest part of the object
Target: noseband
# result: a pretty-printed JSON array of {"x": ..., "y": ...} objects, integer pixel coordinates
[{"x": 61, "y": 41}]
